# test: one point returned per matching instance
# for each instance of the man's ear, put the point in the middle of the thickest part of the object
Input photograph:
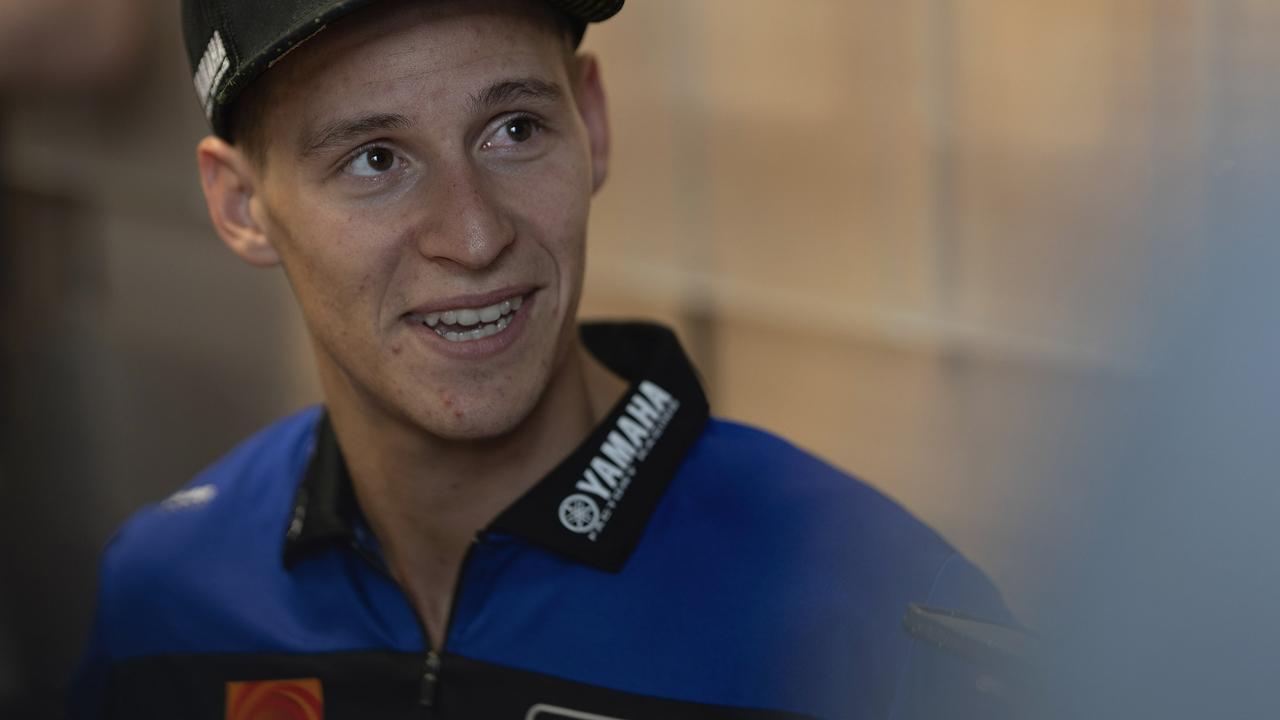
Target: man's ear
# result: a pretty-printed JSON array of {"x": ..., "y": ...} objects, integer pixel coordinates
[
  {"x": 589, "y": 93},
  {"x": 230, "y": 187}
]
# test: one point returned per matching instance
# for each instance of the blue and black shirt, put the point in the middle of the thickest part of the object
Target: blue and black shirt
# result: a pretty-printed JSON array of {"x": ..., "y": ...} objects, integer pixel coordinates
[{"x": 673, "y": 566}]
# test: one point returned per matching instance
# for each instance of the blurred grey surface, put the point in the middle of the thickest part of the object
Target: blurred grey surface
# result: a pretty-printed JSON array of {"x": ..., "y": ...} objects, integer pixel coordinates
[{"x": 1168, "y": 606}]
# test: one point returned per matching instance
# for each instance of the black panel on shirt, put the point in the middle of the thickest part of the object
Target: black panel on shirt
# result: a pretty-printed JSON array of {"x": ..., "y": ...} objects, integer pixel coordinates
[
  {"x": 383, "y": 685},
  {"x": 649, "y": 357},
  {"x": 324, "y": 508},
  {"x": 194, "y": 687}
]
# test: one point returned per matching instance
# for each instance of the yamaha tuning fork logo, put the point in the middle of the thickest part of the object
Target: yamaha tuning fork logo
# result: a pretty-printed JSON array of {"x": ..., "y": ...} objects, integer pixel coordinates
[
  {"x": 579, "y": 513},
  {"x": 609, "y": 473}
]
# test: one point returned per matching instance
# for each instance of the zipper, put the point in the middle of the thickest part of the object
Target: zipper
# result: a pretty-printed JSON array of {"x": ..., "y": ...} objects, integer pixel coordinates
[
  {"x": 429, "y": 683},
  {"x": 430, "y": 679}
]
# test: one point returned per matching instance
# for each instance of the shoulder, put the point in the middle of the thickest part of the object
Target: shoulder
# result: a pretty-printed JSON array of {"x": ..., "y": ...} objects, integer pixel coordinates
[
  {"x": 239, "y": 487},
  {"x": 836, "y": 562},
  {"x": 185, "y": 550},
  {"x": 768, "y": 476},
  {"x": 763, "y": 458},
  {"x": 794, "y": 496}
]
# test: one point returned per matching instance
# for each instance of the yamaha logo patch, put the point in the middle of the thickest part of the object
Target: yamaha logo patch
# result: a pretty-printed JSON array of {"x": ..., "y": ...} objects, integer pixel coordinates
[
  {"x": 610, "y": 471},
  {"x": 594, "y": 506}
]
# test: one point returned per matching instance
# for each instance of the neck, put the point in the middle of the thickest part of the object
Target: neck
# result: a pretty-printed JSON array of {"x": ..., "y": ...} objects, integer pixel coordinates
[{"x": 427, "y": 497}]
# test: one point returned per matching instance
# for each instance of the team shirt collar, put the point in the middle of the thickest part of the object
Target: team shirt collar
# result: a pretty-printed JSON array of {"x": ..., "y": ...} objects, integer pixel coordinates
[{"x": 594, "y": 506}]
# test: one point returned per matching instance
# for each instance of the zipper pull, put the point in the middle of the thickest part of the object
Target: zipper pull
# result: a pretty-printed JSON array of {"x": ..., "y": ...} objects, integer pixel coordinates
[{"x": 430, "y": 678}]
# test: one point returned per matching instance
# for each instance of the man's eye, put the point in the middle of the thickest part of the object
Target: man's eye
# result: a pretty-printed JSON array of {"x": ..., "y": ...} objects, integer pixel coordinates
[
  {"x": 514, "y": 131},
  {"x": 374, "y": 161},
  {"x": 519, "y": 129}
]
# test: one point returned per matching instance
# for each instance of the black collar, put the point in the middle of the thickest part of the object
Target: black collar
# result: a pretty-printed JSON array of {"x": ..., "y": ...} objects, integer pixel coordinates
[{"x": 594, "y": 506}]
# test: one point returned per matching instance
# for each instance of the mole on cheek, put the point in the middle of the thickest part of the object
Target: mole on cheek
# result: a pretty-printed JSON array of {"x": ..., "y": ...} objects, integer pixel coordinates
[{"x": 397, "y": 349}]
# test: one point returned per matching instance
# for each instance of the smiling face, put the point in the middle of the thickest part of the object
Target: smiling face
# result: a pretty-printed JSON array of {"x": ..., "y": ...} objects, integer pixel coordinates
[{"x": 425, "y": 182}]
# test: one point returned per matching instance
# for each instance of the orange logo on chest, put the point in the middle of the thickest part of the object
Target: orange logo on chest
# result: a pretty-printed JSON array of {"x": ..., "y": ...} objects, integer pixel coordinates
[{"x": 301, "y": 699}]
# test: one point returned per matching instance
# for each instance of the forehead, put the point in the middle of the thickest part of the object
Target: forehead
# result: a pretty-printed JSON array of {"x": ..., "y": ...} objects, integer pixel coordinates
[{"x": 408, "y": 51}]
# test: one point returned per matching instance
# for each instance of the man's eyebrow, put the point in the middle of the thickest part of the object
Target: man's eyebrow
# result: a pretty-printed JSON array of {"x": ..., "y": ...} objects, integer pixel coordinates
[
  {"x": 507, "y": 91},
  {"x": 342, "y": 132}
]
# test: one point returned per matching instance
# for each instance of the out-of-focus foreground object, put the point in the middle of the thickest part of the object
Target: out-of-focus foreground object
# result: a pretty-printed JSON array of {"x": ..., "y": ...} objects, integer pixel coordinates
[{"x": 1169, "y": 601}]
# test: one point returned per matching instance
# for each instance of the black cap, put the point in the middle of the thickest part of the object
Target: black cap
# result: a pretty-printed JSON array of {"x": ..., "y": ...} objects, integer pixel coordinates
[{"x": 232, "y": 42}]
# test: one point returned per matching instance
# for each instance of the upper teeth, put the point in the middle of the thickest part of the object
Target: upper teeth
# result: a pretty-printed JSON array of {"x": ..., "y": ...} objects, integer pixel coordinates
[
  {"x": 494, "y": 317},
  {"x": 471, "y": 316}
]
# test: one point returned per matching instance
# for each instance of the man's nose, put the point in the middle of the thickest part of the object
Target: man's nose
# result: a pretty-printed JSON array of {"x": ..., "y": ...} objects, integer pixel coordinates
[{"x": 463, "y": 222}]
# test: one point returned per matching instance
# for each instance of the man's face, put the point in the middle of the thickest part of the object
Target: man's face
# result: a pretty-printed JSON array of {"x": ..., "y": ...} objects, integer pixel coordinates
[{"x": 426, "y": 185}]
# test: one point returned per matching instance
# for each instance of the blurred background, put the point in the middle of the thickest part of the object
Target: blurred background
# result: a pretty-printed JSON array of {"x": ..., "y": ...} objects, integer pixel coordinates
[{"x": 942, "y": 243}]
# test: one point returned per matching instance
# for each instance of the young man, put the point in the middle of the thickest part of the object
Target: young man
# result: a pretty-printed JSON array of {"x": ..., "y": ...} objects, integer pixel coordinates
[{"x": 497, "y": 513}]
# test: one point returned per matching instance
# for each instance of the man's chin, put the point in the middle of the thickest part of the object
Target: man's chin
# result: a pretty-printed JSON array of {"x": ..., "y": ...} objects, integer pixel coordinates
[{"x": 479, "y": 425}]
